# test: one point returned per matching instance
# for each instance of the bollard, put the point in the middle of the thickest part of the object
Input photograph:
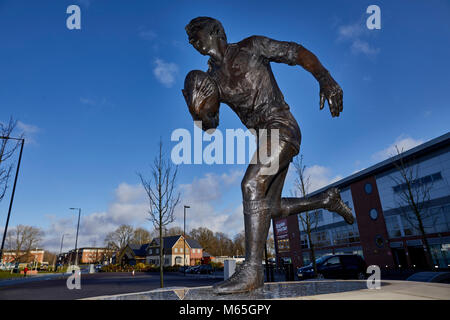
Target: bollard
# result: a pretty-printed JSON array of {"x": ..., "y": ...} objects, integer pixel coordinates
[{"x": 229, "y": 266}]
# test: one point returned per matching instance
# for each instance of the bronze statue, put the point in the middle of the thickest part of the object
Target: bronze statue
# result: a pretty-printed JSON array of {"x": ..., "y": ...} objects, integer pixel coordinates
[{"x": 240, "y": 76}]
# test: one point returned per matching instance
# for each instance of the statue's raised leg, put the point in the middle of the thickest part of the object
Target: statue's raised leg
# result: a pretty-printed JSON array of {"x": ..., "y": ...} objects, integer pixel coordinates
[{"x": 329, "y": 200}]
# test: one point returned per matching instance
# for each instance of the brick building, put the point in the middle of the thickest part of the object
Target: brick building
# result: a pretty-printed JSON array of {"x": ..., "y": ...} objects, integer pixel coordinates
[
  {"x": 86, "y": 255},
  {"x": 175, "y": 250},
  {"x": 383, "y": 232},
  {"x": 36, "y": 255}
]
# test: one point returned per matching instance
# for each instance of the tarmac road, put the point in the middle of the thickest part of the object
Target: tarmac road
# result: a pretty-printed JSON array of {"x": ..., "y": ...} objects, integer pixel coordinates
[{"x": 100, "y": 284}]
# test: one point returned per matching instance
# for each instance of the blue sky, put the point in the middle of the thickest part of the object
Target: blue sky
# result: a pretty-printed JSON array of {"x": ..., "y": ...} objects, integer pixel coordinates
[{"x": 94, "y": 102}]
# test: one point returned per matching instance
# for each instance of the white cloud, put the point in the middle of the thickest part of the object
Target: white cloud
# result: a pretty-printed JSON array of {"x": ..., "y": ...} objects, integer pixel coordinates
[
  {"x": 130, "y": 206},
  {"x": 351, "y": 31},
  {"x": 320, "y": 176},
  {"x": 359, "y": 46},
  {"x": 354, "y": 33},
  {"x": 88, "y": 101},
  {"x": 29, "y": 131},
  {"x": 148, "y": 35},
  {"x": 205, "y": 195},
  {"x": 165, "y": 72},
  {"x": 402, "y": 143}
]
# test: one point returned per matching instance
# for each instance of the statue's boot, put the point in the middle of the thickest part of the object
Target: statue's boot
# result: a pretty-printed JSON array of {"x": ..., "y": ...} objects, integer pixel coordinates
[
  {"x": 329, "y": 200},
  {"x": 250, "y": 275}
]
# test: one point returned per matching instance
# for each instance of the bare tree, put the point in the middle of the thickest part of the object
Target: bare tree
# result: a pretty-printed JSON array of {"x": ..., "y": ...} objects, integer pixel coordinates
[
  {"x": 205, "y": 238},
  {"x": 141, "y": 236},
  {"x": 119, "y": 238},
  {"x": 163, "y": 198},
  {"x": 270, "y": 243},
  {"x": 239, "y": 244},
  {"x": 309, "y": 219},
  {"x": 174, "y": 231},
  {"x": 7, "y": 149},
  {"x": 412, "y": 197},
  {"x": 22, "y": 239}
]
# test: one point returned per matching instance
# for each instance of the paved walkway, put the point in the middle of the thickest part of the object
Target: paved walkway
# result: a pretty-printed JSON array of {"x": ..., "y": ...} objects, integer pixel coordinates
[
  {"x": 390, "y": 290},
  {"x": 30, "y": 278},
  {"x": 395, "y": 290}
]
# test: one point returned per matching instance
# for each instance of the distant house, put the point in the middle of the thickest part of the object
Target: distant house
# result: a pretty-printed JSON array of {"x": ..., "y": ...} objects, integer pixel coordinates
[
  {"x": 86, "y": 255},
  {"x": 132, "y": 254},
  {"x": 196, "y": 252},
  {"x": 175, "y": 250},
  {"x": 36, "y": 255}
]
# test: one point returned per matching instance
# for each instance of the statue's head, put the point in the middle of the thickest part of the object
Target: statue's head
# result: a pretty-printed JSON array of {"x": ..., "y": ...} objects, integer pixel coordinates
[
  {"x": 205, "y": 34},
  {"x": 202, "y": 97}
]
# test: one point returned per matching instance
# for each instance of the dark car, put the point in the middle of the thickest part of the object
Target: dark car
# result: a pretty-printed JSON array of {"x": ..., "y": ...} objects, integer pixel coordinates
[
  {"x": 205, "y": 268},
  {"x": 192, "y": 269},
  {"x": 182, "y": 269},
  {"x": 337, "y": 266}
]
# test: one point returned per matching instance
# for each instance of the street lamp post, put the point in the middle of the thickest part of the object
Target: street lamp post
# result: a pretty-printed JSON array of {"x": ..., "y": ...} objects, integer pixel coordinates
[
  {"x": 60, "y": 251},
  {"x": 184, "y": 242},
  {"x": 76, "y": 239},
  {"x": 13, "y": 192}
]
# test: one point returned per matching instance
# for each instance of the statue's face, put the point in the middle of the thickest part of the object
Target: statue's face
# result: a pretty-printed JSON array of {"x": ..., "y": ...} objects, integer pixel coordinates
[{"x": 203, "y": 42}]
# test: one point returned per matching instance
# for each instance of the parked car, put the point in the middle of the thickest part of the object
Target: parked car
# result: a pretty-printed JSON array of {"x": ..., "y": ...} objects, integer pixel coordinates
[
  {"x": 192, "y": 269},
  {"x": 183, "y": 268},
  {"x": 337, "y": 266},
  {"x": 98, "y": 268},
  {"x": 204, "y": 268},
  {"x": 44, "y": 266}
]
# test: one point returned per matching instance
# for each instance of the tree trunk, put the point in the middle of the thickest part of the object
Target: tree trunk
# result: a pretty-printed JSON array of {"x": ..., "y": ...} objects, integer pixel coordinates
[
  {"x": 161, "y": 257},
  {"x": 312, "y": 253}
]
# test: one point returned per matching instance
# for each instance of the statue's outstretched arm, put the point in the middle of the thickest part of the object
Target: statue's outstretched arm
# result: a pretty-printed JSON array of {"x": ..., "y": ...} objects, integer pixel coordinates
[{"x": 292, "y": 53}]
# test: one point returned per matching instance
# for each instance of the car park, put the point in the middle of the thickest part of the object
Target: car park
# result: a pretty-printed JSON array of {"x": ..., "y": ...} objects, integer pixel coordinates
[
  {"x": 192, "y": 269},
  {"x": 205, "y": 269},
  {"x": 337, "y": 266}
]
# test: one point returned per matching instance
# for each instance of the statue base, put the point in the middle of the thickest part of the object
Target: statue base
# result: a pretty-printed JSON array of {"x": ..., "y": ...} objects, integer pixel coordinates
[{"x": 272, "y": 290}]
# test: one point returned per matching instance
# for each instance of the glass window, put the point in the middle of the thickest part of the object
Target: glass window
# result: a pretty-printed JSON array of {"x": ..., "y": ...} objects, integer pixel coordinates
[
  {"x": 379, "y": 241},
  {"x": 368, "y": 188},
  {"x": 333, "y": 261},
  {"x": 373, "y": 214}
]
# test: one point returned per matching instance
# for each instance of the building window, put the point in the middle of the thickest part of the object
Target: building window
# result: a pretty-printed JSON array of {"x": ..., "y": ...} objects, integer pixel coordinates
[
  {"x": 368, "y": 188},
  {"x": 283, "y": 245},
  {"x": 379, "y": 241},
  {"x": 176, "y": 250},
  {"x": 418, "y": 182},
  {"x": 373, "y": 214}
]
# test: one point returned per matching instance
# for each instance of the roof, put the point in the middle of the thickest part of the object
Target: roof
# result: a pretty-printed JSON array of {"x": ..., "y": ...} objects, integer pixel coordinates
[
  {"x": 138, "y": 249},
  {"x": 193, "y": 243},
  {"x": 426, "y": 148},
  {"x": 169, "y": 242}
]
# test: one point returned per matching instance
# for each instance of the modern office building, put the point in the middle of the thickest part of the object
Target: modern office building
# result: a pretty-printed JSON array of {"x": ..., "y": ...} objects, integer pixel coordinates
[{"x": 386, "y": 231}]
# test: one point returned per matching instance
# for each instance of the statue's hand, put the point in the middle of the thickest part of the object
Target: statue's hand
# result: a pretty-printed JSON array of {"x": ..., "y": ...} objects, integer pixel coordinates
[{"x": 330, "y": 90}]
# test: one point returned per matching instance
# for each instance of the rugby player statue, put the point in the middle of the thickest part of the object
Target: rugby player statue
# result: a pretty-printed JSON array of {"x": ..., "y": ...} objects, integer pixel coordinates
[{"x": 240, "y": 76}]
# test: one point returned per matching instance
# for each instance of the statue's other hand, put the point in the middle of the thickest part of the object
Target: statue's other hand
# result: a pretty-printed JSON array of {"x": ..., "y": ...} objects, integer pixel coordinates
[{"x": 330, "y": 90}]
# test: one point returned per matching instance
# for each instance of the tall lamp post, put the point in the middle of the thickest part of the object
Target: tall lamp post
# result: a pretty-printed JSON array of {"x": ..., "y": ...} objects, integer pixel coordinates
[
  {"x": 76, "y": 239},
  {"x": 13, "y": 192},
  {"x": 184, "y": 242},
  {"x": 60, "y": 249}
]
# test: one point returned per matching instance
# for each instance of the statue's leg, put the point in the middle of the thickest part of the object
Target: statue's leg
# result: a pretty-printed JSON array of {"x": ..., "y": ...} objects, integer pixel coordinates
[
  {"x": 329, "y": 200},
  {"x": 262, "y": 196}
]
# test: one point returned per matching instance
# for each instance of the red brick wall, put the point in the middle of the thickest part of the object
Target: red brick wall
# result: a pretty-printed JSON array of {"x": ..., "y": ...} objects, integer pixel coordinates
[{"x": 369, "y": 229}]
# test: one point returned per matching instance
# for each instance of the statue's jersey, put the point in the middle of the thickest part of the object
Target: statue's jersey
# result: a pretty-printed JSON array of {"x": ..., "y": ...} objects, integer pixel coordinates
[{"x": 246, "y": 83}]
